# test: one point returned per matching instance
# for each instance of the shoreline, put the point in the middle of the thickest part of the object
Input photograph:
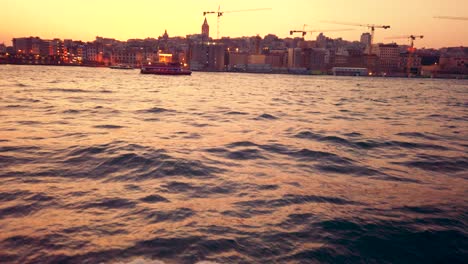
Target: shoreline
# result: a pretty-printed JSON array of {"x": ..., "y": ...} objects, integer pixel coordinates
[{"x": 282, "y": 72}]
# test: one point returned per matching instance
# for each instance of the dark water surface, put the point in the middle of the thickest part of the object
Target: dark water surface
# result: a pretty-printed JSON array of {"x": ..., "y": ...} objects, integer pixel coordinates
[{"x": 109, "y": 166}]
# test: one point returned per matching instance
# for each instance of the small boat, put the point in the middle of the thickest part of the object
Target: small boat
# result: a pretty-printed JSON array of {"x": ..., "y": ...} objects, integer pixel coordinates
[
  {"x": 165, "y": 69},
  {"x": 121, "y": 67}
]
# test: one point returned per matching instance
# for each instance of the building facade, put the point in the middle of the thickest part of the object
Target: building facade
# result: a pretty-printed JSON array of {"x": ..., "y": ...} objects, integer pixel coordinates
[
  {"x": 389, "y": 58},
  {"x": 207, "y": 56},
  {"x": 27, "y": 46},
  {"x": 366, "y": 40}
]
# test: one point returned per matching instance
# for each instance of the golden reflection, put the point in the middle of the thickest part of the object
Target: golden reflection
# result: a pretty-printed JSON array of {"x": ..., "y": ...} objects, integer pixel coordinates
[{"x": 244, "y": 154}]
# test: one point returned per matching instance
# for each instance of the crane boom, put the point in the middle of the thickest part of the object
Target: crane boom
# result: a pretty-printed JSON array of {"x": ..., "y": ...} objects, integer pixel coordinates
[
  {"x": 372, "y": 27},
  {"x": 411, "y": 50},
  {"x": 244, "y": 10},
  {"x": 209, "y": 12},
  {"x": 304, "y": 32},
  {"x": 358, "y": 24},
  {"x": 220, "y": 13},
  {"x": 451, "y": 17},
  {"x": 411, "y": 37},
  {"x": 407, "y": 37},
  {"x": 298, "y": 31}
]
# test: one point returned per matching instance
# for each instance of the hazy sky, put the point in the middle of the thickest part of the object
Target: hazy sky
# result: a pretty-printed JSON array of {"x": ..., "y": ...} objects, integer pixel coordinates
[{"x": 122, "y": 19}]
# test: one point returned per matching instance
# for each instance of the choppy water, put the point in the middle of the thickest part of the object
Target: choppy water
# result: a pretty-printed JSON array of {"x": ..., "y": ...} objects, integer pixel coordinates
[{"x": 108, "y": 166}]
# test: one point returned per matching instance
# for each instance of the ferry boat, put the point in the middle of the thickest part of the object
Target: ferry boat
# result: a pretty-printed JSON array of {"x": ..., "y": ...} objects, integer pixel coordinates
[
  {"x": 165, "y": 69},
  {"x": 350, "y": 71},
  {"x": 121, "y": 67}
]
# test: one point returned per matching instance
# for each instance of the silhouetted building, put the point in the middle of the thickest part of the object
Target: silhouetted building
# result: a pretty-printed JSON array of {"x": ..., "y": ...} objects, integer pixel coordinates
[
  {"x": 126, "y": 56},
  {"x": 94, "y": 53},
  {"x": 207, "y": 56},
  {"x": 105, "y": 41},
  {"x": 389, "y": 57},
  {"x": 295, "y": 59},
  {"x": 164, "y": 42},
  {"x": 3, "y": 52},
  {"x": 237, "y": 61},
  {"x": 44, "y": 49},
  {"x": 413, "y": 62},
  {"x": 27, "y": 46},
  {"x": 321, "y": 41},
  {"x": 249, "y": 54},
  {"x": 371, "y": 62},
  {"x": 315, "y": 59},
  {"x": 340, "y": 57},
  {"x": 258, "y": 63},
  {"x": 278, "y": 59},
  {"x": 454, "y": 64},
  {"x": 194, "y": 38},
  {"x": 366, "y": 39},
  {"x": 257, "y": 44},
  {"x": 56, "y": 47},
  {"x": 205, "y": 31}
]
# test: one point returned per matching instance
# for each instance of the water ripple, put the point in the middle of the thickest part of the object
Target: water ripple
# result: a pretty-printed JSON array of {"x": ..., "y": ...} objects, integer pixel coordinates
[{"x": 113, "y": 167}]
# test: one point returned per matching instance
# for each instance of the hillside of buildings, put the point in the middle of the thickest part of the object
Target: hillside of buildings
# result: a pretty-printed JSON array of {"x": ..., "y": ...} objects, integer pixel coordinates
[{"x": 269, "y": 54}]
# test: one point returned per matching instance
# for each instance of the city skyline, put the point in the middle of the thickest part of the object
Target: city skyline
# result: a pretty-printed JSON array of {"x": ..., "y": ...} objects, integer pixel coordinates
[{"x": 142, "y": 18}]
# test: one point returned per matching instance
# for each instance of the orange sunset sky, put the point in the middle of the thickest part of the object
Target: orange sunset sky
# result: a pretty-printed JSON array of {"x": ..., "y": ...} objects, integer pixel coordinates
[{"x": 122, "y": 19}]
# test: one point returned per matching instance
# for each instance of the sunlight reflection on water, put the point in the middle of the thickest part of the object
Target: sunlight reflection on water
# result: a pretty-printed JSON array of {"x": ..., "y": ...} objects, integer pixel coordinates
[{"x": 100, "y": 165}]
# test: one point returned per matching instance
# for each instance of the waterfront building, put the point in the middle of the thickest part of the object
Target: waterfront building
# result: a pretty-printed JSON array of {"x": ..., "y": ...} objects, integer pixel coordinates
[
  {"x": 2, "y": 48},
  {"x": 248, "y": 54},
  {"x": 94, "y": 53},
  {"x": 258, "y": 63},
  {"x": 341, "y": 57},
  {"x": 278, "y": 59},
  {"x": 412, "y": 61},
  {"x": 237, "y": 61},
  {"x": 295, "y": 58},
  {"x": 389, "y": 57},
  {"x": 27, "y": 46},
  {"x": 207, "y": 56},
  {"x": 315, "y": 59},
  {"x": 356, "y": 58},
  {"x": 56, "y": 47},
  {"x": 454, "y": 64},
  {"x": 127, "y": 56},
  {"x": 44, "y": 49},
  {"x": 256, "y": 59}
]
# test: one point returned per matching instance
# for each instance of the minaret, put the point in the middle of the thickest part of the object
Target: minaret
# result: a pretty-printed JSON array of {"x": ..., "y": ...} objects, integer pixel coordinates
[{"x": 205, "y": 30}]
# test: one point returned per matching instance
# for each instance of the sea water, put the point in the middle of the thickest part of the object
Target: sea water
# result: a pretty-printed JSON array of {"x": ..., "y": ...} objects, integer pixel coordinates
[{"x": 111, "y": 166}]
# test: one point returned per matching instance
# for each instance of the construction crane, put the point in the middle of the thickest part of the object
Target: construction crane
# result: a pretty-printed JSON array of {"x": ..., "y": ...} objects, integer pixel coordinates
[
  {"x": 299, "y": 31},
  {"x": 304, "y": 32},
  {"x": 411, "y": 50},
  {"x": 220, "y": 13},
  {"x": 372, "y": 27},
  {"x": 451, "y": 17}
]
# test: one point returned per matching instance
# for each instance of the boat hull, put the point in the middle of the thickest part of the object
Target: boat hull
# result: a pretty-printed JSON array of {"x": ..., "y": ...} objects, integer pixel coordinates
[
  {"x": 158, "y": 72},
  {"x": 165, "y": 69},
  {"x": 121, "y": 67}
]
